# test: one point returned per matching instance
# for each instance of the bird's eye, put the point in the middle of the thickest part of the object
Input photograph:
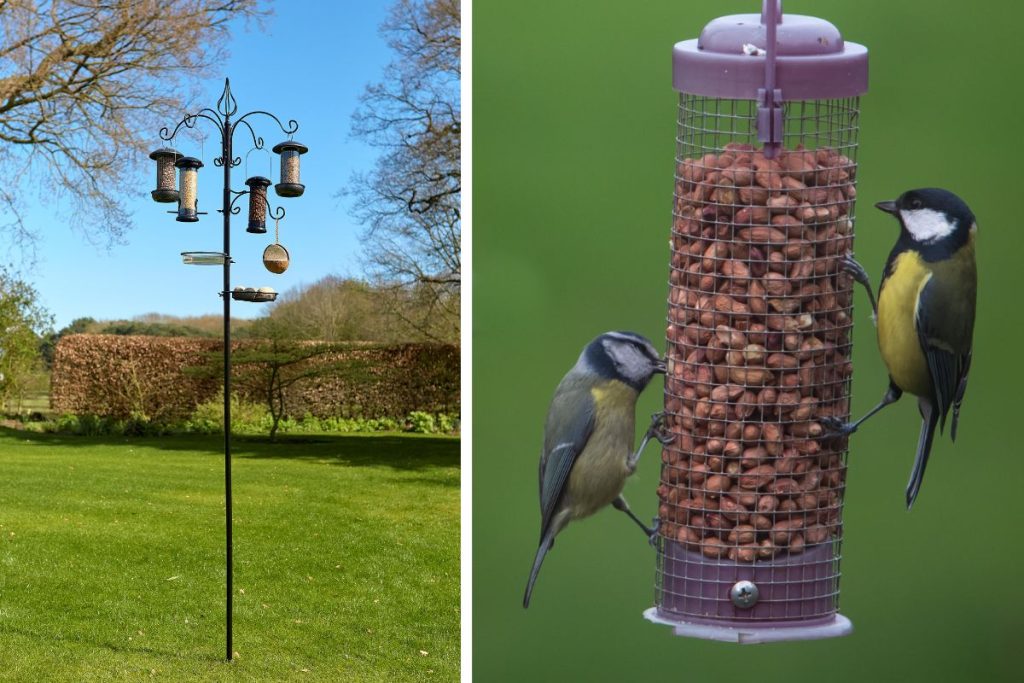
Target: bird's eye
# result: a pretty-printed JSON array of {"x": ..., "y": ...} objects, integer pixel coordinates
[{"x": 915, "y": 204}]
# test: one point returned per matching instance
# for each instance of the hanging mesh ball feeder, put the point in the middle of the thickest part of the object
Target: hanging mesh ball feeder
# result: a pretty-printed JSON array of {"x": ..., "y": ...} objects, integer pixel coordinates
[
  {"x": 290, "y": 151},
  {"x": 759, "y": 329}
]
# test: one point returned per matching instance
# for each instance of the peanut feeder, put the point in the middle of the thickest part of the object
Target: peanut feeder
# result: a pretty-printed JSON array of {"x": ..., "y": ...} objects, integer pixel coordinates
[
  {"x": 257, "y": 204},
  {"x": 759, "y": 329},
  {"x": 165, "y": 191}
]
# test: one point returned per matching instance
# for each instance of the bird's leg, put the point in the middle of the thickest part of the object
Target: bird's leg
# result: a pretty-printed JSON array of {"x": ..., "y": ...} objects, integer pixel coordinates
[
  {"x": 836, "y": 427},
  {"x": 655, "y": 431},
  {"x": 853, "y": 268},
  {"x": 621, "y": 504}
]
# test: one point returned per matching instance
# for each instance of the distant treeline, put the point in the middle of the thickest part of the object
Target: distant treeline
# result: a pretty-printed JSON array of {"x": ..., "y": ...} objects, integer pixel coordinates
[{"x": 332, "y": 309}]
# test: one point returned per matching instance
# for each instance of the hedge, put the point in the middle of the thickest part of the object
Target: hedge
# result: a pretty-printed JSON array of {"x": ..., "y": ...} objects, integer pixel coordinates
[{"x": 164, "y": 378}]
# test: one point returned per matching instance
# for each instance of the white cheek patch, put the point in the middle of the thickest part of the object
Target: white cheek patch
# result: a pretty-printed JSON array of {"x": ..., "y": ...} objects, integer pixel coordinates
[{"x": 927, "y": 225}]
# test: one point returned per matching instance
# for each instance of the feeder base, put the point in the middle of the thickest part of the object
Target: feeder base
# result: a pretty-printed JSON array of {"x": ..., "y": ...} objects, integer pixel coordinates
[
  {"x": 289, "y": 189},
  {"x": 755, "y": 633},
  {"x": 164, "y": 196}
]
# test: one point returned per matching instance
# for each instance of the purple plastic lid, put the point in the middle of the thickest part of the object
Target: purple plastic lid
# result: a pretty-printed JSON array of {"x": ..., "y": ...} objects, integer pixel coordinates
[{"x": 812, "y": 61}]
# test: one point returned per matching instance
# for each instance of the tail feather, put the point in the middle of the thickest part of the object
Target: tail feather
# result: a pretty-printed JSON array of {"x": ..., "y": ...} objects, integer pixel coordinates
[
  {"x": 542, "y": 550},
  {"x": 929, "y": 420},
  {"x": 956, "y": 420}
]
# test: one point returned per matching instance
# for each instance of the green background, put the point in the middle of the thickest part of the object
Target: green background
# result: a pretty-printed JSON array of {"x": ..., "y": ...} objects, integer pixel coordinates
[{"x": 573, "y": 144}]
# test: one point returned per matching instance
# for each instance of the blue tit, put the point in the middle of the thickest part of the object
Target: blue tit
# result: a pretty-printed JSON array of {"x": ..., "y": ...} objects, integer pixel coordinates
[
  {"x": 588, "y": 435},
  {"x": 925, "y": 313}
]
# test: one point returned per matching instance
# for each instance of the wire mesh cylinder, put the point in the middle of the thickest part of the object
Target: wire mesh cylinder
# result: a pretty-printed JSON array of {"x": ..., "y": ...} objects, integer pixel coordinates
[
  {"x": 257, "y": 204},
  {"x": 165, "y": 191},
  {"x": 759, "y": 346}
]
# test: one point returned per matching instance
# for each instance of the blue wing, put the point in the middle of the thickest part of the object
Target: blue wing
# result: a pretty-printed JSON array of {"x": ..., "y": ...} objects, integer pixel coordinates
[{"x": 570, "y": 423}]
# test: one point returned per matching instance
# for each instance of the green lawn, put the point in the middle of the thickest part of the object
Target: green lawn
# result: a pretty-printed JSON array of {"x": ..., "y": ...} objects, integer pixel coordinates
[{"x": 112, "y": 559}]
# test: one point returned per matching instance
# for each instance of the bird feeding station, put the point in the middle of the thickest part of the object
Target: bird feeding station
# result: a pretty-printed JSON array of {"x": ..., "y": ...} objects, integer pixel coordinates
[
  {"x": 223, "y": 119},
  {"x": 759, "y": 329}
]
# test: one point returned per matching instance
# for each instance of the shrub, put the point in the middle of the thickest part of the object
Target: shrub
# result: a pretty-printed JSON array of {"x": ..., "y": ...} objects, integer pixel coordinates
[
  {"x": 422, "y": 423},
  {"x": 246, "y": 417}
]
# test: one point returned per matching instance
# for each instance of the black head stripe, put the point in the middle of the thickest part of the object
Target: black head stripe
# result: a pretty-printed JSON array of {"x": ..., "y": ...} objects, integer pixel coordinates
[
  {"x": 599, "y": 360},
  {"x": 637, "y": 340}
]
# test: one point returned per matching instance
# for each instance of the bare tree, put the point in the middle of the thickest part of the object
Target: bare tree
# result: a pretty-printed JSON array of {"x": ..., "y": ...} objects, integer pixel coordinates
[
  {"x": 335, "y": 308},
  {"x": 410, "y": 200},
  {"x": 84, "y": 86}
]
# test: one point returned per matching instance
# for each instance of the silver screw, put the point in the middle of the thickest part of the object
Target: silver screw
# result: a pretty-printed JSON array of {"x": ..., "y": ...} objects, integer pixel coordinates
[{"x": 744, "y": 594}]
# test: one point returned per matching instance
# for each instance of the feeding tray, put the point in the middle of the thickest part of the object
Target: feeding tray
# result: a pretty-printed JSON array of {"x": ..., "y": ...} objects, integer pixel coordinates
[
  {"x": 203, "y": 258},
  {"x": 262, "y": 294}
]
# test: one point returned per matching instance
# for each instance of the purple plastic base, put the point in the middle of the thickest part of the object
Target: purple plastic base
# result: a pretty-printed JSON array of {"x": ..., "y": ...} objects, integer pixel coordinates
[
  {"x": 797, "y": 587},
  {"x": 833, "y": 627}
]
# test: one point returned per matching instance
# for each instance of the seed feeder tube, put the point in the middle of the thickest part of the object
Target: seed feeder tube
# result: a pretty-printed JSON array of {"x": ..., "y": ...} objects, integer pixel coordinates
[
  {"x": 290, "y": 151},
  {"x": 759, "y": 329},
  {"x": 188, "y": 181},
  {"x": 257, "y": 204},
  {"x": 165, "y": 191}
]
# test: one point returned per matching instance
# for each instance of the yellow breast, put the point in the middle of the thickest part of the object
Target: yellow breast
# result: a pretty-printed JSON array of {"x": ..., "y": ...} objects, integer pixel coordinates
[
  {"x": 897, "y": 331},
  {"x": 600, "y": 471}
]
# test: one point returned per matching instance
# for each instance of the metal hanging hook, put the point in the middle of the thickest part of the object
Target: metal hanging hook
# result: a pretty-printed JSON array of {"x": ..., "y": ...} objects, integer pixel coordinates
[
  {"x": 270, "y": 160},
  {"x": 769, "y": 98}
]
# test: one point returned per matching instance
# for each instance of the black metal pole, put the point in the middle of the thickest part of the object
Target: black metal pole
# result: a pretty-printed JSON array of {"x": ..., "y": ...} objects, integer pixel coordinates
[
  {"x": 225, "y": 108},
  {"x": 226, "y": 156}
]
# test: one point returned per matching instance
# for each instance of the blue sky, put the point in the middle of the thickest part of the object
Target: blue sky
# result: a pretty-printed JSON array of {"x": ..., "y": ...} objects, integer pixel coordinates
[{"x": 310, "y": 62}]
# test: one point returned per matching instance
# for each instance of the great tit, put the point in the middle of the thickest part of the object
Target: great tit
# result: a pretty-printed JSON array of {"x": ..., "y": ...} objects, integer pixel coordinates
[
  {"x": 925, "y": 313},
  {"x": 588, "y": 435}
]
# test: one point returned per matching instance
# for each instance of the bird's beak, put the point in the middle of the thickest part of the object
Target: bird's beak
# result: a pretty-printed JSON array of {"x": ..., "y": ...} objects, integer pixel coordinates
[
  {"x": 660, "y": 366},
  {"x": 888, "y": 207}
]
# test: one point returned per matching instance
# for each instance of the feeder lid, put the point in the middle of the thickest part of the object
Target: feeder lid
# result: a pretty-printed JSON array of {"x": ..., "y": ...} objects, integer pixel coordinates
[
  {"x": 813, "y": 62},
  {"x": 164, "y": 152},
  {"x": 258, "y": 181},
  {"x": 188, "y": 162},
  {"x": 290, "y": 144}
]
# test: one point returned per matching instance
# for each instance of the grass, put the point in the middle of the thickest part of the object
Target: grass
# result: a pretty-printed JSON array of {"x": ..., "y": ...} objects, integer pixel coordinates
[{"x": 112, "y": 559}]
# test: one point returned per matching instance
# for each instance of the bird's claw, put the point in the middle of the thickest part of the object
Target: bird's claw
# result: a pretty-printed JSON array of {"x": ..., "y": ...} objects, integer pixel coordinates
[
  {"x": 836, "y": 427},
  {"x": 652, "y": 538},
  {"x": 852, "y": 267},
  {"x": 659, "y": 430}
]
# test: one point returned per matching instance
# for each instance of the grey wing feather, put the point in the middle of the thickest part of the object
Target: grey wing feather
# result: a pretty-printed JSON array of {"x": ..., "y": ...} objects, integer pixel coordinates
[
  {"x": 569, "y": 426},
  {"x": 945, "y": 340}
]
